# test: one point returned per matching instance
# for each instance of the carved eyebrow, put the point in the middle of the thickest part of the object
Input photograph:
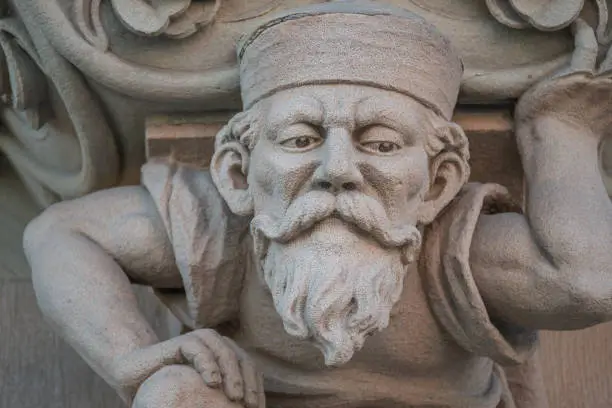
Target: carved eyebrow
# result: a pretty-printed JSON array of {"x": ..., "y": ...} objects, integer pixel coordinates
[
  {"x": 298, "y": 110},
  {"x": 387, "y": 116}
]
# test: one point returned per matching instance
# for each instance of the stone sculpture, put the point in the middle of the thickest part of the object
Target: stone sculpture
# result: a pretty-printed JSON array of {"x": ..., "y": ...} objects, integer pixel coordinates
[
  {"x": 83, "y": 76},
  {"x": 334, "y": 254}
]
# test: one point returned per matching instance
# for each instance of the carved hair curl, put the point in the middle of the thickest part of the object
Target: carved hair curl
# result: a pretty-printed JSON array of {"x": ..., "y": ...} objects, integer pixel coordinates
[
  {"x": 242, "y": 128},
  {"x": 447, "y": 137}
]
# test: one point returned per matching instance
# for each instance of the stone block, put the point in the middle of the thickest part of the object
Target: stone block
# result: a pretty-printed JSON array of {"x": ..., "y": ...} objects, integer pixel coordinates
[
  {"x": 189, "y": 138},
  {"x": 494, "y": 156}
]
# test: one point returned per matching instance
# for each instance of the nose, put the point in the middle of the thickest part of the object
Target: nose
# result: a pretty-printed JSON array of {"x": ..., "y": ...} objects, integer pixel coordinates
[{"x": 338, "y": 169}]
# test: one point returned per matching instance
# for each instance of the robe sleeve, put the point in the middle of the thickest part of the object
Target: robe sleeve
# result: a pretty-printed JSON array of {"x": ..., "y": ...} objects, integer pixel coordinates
[
  {"x": 207, "y": 239},
  {"x": 452, "y": 292}
]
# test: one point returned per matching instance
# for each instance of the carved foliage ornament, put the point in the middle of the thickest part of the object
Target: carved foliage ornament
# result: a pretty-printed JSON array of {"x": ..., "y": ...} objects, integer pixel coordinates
[
  {"x": 547, "y": 15},
  {"x": 54, "y": 135},
  {"x": 172, "y": 18}
]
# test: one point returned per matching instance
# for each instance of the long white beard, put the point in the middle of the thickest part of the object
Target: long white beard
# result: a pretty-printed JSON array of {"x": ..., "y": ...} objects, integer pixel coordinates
[{"x": 333, "y": 280}]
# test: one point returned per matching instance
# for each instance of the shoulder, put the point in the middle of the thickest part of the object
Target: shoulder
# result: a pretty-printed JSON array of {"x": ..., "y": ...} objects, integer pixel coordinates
[
  {"x": 452, "y": 232},
  {"x": 187, "y": 192},
  {"x": 169, "y": 180},
  {"x": 207, "y": 239},
  {"x": 453, "y": 295}
]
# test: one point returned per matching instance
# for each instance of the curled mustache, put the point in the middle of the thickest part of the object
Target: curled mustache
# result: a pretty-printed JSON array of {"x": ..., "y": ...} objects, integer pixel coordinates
[{"x": 353, "y": 207}]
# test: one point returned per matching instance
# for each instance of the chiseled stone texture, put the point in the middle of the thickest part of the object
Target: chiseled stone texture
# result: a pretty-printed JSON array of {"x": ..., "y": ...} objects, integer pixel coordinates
[{"x": 493, "y": 154}]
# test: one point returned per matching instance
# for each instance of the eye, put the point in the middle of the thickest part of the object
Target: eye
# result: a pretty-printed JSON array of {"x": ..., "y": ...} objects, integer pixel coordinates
[
  {"x": 301, "y": 142},
  {"x": 381, "y": 147},
  {"x": 380, "y": 140},
  {"x": 300, "y": 137}
]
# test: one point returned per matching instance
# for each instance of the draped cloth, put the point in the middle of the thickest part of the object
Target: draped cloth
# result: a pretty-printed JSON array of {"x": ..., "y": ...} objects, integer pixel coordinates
[
  {"x": 212, "y": 252},
  {"x": 458, "y": 306}
]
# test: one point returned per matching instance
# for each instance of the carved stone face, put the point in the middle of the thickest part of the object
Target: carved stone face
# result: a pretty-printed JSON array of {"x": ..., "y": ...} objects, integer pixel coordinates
[
  {"x": 341, "y": 139},
  {"x": 338, "y": 181}
]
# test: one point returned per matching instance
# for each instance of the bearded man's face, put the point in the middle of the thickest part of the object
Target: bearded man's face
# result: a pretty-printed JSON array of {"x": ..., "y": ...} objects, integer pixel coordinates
[{"x": 337, "y": 176}]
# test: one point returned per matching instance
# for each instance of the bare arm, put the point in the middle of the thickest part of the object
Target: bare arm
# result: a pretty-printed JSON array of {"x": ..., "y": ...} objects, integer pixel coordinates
[
  {"x": 551, "y": 269},
  {"x": 83, "y": 254}
]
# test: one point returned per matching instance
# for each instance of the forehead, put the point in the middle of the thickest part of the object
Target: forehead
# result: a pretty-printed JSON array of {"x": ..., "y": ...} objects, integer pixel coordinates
[{"x": 343, "y": 105}]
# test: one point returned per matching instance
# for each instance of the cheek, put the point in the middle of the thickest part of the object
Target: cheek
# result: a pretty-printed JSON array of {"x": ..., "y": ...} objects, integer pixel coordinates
[
  {"x": 277, "y": 177},
  {"x": 399, "y": 180},
  {"x": 415, "y": 175}
]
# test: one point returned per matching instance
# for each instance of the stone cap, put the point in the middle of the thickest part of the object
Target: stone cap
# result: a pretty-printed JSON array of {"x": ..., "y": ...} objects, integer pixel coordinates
[{"x": 355, "y": 42}]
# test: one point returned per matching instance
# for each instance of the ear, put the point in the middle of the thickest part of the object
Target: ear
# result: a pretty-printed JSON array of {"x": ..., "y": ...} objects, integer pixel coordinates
[
  {"x": 229, "y": 170},
  {"x": 449, "y": 172}
]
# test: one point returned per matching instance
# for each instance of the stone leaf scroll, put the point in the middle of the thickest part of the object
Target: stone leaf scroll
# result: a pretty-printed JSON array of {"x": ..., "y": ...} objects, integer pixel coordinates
[{"x": 81, "y": 77}]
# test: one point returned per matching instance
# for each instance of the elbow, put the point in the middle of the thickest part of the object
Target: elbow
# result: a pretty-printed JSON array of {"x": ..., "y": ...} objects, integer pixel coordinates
[
  {"x": 589, "y": 299},
  {"x": 35, "y": 233},
  {"x": 43, "y": 230},
  {"x": 42, "y": 242}
]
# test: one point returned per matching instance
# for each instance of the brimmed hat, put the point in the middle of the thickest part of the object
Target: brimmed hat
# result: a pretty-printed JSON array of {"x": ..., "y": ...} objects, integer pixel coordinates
[{"x": 356, "y": 42}]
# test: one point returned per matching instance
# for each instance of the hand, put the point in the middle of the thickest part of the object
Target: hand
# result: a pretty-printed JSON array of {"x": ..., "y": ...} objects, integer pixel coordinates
[
  {"x": 580, "y": 94},
  {"x": 219, "y": 361}
]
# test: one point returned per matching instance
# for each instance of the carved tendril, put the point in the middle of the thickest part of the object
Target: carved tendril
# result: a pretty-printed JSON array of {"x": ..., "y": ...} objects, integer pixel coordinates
[
  {"x": 58, "y": 156},
  {"x": 171, "y": 18},
  {"x": 548, "y": 15}
]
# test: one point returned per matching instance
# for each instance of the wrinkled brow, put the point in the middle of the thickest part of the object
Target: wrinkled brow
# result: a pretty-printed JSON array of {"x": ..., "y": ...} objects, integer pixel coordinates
[
  {"x": 288, "y": 111},
  {"x": 405, "y": 119}
]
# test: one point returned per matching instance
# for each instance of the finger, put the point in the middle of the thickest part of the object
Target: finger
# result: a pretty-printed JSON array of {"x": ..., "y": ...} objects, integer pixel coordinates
[
  {"x": 606, "y": 66},
  {"x": 586, "y": 48},
  {"x": 202, "y": 360},
  {"x": 253, "y": 387},
  {"x": 602, "y": 22},
  {"x": 261, "y": 393},
  {"x": 227, "y": 362}
]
